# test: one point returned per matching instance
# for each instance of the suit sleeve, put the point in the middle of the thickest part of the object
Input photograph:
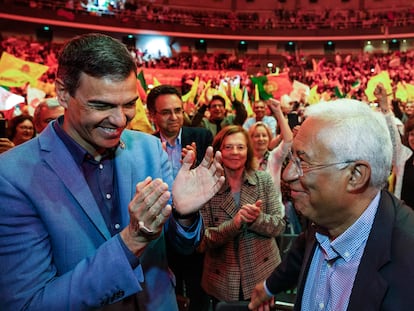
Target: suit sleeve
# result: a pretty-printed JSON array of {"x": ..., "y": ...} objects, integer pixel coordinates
[
  {"x": 286, "y": 275},
  {"x": 29, "y": 252}
]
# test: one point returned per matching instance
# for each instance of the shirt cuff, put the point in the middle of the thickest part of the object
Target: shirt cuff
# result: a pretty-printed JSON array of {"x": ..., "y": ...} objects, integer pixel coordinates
[
  {"x": 267, "y": 290},
  {"x": 132, "y": 259}
]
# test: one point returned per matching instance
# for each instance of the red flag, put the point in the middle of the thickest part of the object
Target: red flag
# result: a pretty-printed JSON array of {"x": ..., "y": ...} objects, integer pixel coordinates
[{"x": 278, "y": 85}]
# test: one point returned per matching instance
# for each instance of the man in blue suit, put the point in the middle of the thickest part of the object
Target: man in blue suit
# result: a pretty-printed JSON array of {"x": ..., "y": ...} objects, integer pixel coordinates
[
  {"x": 85, "y": 207},
  {"x": 166, "y": 110}
]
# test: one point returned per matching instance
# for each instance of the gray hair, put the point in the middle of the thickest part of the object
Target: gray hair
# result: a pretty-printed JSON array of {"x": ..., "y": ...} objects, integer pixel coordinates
[{"x": 356, "y": 133}]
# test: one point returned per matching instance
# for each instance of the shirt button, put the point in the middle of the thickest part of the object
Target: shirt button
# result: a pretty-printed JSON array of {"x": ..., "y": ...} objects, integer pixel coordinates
[
  {"x": 346, "y": 254},
  {"x": 100, "y": 166},
  {"x": 321, "y": 305},
  {"x": 117, "y": 226},
  {"x": 108, "y": 196}
]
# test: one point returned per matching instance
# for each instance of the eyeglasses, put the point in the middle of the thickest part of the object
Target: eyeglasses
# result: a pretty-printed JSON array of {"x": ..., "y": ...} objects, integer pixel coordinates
[
  {"x": 25, "y": 128},
  {"x": 300, "y": 169},
  {"x": 169, "y": 113},
  {"x": 231, "y": 147}
]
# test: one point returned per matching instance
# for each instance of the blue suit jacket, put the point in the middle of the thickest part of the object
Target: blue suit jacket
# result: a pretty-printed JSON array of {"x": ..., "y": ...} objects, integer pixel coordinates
[{"x": 56, "y": 252}]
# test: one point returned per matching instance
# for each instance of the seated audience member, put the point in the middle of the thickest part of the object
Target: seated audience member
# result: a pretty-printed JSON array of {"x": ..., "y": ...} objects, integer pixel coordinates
[
  {"x": 259, "y": 109},
  {"x": 241, "y": 222},
  {"x": 358, "y": 250},
  {"x": 85, "y": 228},
  {"x": 21, "y": 129},
  {"x": 166, "y": 110},
  {"x": 218, "y": 118},
  {"x": 48, "y": 110}
]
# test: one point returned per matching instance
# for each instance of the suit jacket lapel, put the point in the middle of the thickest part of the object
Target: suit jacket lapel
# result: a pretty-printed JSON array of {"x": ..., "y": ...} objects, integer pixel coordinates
[
  {"x": 56, "y": 155},
  {"x": 369, "y": 286},
  {"x": 124, "y": 177}
]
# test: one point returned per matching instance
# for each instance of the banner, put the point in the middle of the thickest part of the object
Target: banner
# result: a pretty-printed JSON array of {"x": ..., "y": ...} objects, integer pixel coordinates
[
  {"x": 16, "y": 72},
  {"x": 8, "y": 100}
]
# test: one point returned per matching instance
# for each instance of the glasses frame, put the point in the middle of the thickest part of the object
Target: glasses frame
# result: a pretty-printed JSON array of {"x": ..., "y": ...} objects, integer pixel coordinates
[
  {"x": 179, "y": 111},
  {"x": 300, "y": 170}
]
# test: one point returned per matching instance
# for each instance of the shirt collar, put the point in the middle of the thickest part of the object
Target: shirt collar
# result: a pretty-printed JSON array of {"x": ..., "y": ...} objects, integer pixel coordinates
[
  {"x": 78, "y": 153},
  {"x": 177, "y": 140},
  {"x": 357, "y": 234}
]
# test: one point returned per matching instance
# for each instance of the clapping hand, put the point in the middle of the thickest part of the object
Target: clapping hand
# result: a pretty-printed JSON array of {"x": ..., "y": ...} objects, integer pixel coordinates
[
  {"x": 194, "y": 187},
  {"x": 186, "y": 149},
  {"x": 248, "y": 213},
  {"x": 148, "y": 212}
]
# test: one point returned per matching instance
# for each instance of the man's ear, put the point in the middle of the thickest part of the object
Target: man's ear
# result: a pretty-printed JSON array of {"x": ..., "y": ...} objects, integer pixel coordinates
[
  {"x": 61, "y": 93},
  {"x": 360, "y": 176}
]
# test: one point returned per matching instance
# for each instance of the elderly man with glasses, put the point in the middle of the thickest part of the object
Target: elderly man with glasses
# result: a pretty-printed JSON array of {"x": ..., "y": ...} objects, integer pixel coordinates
[{"x": 358, "y": 249}]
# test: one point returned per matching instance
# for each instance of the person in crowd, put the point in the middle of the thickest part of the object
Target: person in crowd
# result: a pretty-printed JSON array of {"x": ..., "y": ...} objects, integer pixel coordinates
[
  {"x": 166, "y": 110},
  {"x": 86, "y": 226},
  {"x": 5, "y": 143},
  {"x": 260, "y": 115},
  {"x": 272, "y": 160},
  {"x": 217, "y": 115},
  {"x": 47, "y": 110},
  {"x": 403, "y": 156},
  {"x": 241, "y": 222},
  {"x": 358, "y": 250},
  {"x": 407, "y": 174},
  {"x": 21, "y": 129}
]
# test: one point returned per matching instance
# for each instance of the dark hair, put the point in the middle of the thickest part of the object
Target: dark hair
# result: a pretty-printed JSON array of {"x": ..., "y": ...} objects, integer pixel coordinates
[
  {"x": 157, "y": 91},
  {"x": 12, "y": 126},
  {"x": 97, "y": 55},
  {"x": 217, "y": 97},
  {"x": 408, "y": 127},
  {"x": 230, "y": 130}
]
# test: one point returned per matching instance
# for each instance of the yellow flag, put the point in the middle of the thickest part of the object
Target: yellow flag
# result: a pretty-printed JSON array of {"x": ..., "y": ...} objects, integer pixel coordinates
[
  {"x": 204, "y": 96},
  {"x": 192, "y": 93},
  {"x": 383, "y": 78},
  {"x": 16, "y": 72},
  {"x": 246, "y": 103},
  {"x": 140, "y": 122},
  {"x": 155, "y": 82},
  {"x": 314, "y": 96}
]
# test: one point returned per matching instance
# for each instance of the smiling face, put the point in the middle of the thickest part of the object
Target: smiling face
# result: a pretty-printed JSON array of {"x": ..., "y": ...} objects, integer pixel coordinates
[
  {"x": 168, "y": 115},
  {"x": 260, "y": 139},
  {"x": 234, "y": 152},
  {"x": 217, "y": 110},
  {"x": 24, "y": 132},
  {"x": 99, "y": 111},
  {"x": 320, "y": 194},
  {"x": 259, "y": 109}
]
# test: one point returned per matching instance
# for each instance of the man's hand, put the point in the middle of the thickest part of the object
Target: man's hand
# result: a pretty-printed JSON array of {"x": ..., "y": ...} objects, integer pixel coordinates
[
  {"x": 187, "y": 148},
  {"x": 194, "y": 187},
  {"x": 260, "y": 301},
  {"x": 148, "y": 212}
]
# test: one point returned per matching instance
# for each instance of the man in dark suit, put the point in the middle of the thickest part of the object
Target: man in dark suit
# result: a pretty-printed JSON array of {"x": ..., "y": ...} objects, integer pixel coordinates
[
  {"x": 358, "y": 252},
  {"x": 166, "y": 110}
]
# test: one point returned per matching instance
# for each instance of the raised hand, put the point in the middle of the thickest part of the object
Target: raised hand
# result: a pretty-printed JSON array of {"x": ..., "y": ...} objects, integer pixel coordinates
[
  {"x": 148, "y": 212},
  {"x": 194, "y": 187}
]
